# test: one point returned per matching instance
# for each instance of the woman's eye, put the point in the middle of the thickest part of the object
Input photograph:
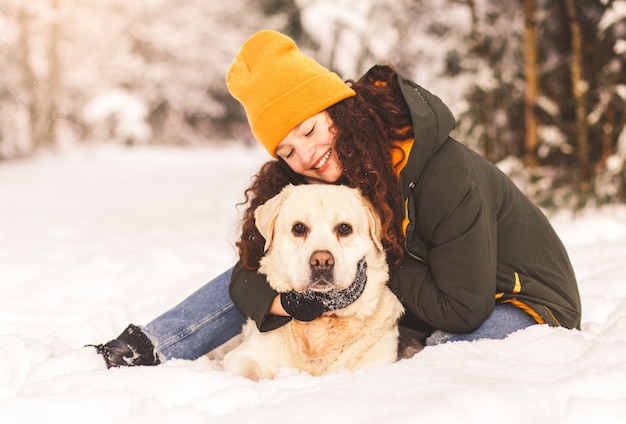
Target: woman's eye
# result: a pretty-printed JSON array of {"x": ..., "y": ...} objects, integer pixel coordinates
[
  {"x": 310, "y": 132},
  {"x": 299, "y": 229},
  {"x": 290, "y": 154},
  {"x": 344, "y": 229}
]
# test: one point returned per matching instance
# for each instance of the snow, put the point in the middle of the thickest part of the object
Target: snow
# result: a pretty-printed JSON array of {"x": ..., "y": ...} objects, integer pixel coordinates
[{"x": 94, "y": 238}]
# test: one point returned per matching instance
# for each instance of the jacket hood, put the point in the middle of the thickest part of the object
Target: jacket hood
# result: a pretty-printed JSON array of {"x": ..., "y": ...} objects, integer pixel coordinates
[{"x": 432, "y": 123}]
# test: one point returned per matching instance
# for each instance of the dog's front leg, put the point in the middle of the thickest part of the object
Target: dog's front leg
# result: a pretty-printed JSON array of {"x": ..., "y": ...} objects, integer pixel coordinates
[
  {"x": 259, "y": 356},
  {"x": 240, "y": 363}
]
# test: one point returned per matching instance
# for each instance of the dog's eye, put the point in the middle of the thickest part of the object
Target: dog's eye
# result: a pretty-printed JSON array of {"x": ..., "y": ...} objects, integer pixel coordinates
[
  {"x": 299, "y": 229},
  {"x": 344, "y": 229}
]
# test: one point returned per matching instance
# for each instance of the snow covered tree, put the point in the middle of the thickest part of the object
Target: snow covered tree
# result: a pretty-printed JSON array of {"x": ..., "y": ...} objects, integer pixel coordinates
[
  {"x": 538, "y": 81},
  {"x": 574, "y": 100},
  {"x": 135, "y": 72},
  {"x": 31, "y": 75}
]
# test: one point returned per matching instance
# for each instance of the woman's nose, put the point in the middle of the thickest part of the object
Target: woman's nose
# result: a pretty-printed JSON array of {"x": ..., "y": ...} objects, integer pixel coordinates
[{"x": 305, "y": 151}]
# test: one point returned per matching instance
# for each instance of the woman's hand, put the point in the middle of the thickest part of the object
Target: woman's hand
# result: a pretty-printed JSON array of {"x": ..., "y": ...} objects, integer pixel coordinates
[
  {"x": 302, "y": 306},
  {"x": 277, "y": 308}
]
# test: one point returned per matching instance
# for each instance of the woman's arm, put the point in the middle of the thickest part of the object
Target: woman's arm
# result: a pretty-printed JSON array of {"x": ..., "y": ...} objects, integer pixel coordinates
[
  {"x": 252, "y": 295},
  {"x": 453, "y": 289}
]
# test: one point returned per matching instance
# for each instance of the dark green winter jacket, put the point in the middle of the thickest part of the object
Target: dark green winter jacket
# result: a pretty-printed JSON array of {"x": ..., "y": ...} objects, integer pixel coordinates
[{"x": 473, "y": 240}]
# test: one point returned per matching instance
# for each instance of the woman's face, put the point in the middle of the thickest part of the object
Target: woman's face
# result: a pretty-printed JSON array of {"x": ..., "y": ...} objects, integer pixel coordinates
[{"x": 308, "y": 149}]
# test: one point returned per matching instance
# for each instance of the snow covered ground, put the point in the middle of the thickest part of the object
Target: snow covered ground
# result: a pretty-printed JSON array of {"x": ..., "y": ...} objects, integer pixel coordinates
[{"x": 92, "y": 239}]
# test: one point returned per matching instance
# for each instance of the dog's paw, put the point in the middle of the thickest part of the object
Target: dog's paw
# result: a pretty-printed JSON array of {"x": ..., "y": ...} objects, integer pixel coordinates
[{"x": 245, "y": 366}]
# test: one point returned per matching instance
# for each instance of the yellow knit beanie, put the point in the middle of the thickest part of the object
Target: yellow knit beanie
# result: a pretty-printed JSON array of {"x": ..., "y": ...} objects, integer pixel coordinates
[{"x": 280, "y": 87}]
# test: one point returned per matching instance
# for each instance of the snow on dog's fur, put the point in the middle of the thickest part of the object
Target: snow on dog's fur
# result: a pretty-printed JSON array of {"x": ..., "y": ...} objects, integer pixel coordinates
[{"x": 302, "y": 225}]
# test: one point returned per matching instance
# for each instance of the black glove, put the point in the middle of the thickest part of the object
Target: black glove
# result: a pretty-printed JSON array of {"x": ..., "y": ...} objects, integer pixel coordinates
[
  {"x": 302, "y": 306},
  {"x": 309, "y": 305}
]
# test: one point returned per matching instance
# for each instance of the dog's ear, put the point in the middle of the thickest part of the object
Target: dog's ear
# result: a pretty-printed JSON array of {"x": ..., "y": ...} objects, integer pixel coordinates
[
  {"x": 375, "y": 227},
  {"x": 266, "y": 214}
]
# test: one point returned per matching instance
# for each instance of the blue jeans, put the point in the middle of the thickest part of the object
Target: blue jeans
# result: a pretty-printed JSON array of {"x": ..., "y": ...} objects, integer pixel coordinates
[
  {"x": 200, "y": 323},
  {"x": 504, "y": 320},
  {"x": 208, "y": 318}
]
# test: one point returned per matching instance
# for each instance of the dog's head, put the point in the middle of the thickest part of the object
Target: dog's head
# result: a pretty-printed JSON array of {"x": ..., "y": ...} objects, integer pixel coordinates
[{"x": 316, "y": 236}]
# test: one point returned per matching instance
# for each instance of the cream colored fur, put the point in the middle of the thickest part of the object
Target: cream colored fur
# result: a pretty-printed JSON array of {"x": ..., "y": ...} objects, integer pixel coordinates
[{"x": 363, "y": 334}]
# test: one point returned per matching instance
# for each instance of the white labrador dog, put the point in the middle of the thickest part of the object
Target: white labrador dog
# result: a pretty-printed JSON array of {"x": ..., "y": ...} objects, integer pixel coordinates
[{"x": 304, "y": 226}]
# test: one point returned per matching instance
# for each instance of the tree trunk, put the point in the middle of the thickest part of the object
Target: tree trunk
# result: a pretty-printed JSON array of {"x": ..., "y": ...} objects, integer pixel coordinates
[
  {"x": 532, "y": 84},
  {"x": 607, "y": 135},
  {"x": 40, "y": 91},
  {"x": 29, "y": 79},
  {"x": 579, "y": 90},
  {"x": 46, "y": 129}
]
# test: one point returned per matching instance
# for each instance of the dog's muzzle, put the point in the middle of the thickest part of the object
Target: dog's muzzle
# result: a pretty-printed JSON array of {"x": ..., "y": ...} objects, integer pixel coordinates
[
  {"x": 322, "y": 264},
  {"x": 338, "y": 299}
]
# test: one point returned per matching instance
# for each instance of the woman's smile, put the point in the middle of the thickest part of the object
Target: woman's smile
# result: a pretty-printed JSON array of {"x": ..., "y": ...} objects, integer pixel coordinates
[
  {"x": 324, "y": 159},
  {"x": 308, "y": 149}
]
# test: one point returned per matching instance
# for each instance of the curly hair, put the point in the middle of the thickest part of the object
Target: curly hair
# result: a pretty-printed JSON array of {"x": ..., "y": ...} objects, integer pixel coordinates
[{"x": 368, "y": 127}]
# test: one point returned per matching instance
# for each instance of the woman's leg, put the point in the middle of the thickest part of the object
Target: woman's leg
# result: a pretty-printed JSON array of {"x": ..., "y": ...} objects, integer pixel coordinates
[
  {"x": 504, "y": 320},
  {"x": 200, "y": 323}
]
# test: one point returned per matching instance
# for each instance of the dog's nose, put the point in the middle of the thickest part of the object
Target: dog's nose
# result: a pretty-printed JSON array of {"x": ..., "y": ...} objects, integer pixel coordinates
[{"x": 322, "y": 260}]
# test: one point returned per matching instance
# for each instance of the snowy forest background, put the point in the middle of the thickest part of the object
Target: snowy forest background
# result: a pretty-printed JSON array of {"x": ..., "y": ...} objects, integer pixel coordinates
[{"x": 537, "y": 86}]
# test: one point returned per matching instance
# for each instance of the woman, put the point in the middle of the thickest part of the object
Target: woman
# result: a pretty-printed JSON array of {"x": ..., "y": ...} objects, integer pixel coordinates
[{"x": 471, "y": 257}]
